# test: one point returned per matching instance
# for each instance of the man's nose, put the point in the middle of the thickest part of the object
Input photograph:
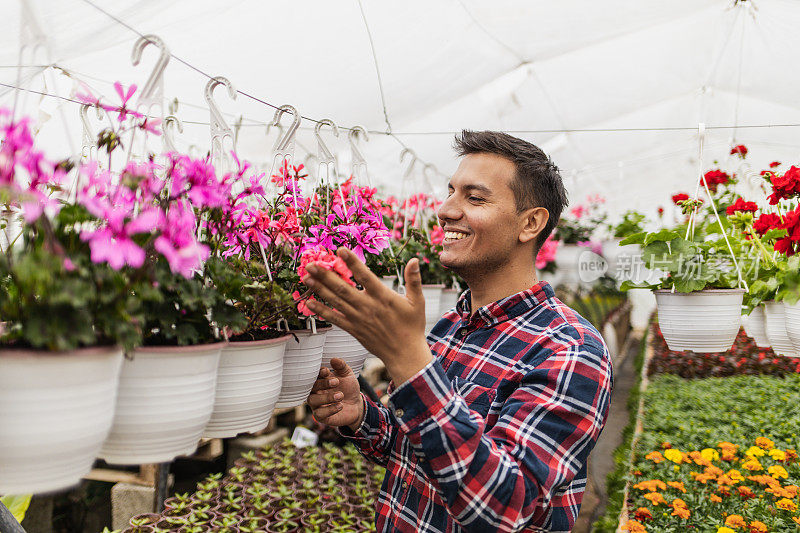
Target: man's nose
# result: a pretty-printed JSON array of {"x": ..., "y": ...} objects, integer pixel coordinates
[{"x": 449, "y": 210}]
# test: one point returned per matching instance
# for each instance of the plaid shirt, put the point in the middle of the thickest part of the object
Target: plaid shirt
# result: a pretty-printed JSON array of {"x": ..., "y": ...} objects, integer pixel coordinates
[{"x": 493, "y": 434}]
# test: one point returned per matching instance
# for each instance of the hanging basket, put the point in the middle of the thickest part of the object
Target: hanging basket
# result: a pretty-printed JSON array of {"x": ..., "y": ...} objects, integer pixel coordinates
[
  {"x": 702, "y": 321},
  {"x": 775, "y": 320},
  {"x": 792, "y": 315},
  {"x": 433, "y": 297},
  {"x": 166, "y": 396},
  {"x": 342, "y": 345},
  {"x": 301, "y": 365},
  {"x": 448, "y": 300},
  {"x": 56, "y": 410},
  {"x": 755, "y": 327},
  {"x": 249, "y": 379}
]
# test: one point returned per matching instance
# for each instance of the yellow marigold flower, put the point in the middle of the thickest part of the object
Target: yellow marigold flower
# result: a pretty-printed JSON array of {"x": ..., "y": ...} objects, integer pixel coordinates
[
  {"x": 758, "y": 527},
  {"x": 735, "y": 475},
  {"x": 765, "y": 443},
  {"x": 724, "y": 529},
  {"x": 673, "y": 455},
  {"x": 735, "y": 520},
  {"x": 710, "y": 454},
  {"x": 677, "y": 485},
  {"x": 777, "y": 471},
  {"x": 655, "y": 498},
  {"x": 752, "y": 465},
  {"x": 634, "y": 527},
  {"x": 656, "y": 457},
  {"x": 777, "y": 455},
  {"x": 698, "y": 458},
  {"x": 714, "y": 498},
  {"x": 755, "y": 451},
  {"x": 681, "y": 512},
  {"x": 786, "y": 504}
]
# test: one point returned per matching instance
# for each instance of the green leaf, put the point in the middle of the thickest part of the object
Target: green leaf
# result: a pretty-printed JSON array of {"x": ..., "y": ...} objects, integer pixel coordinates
[
  {"x": 636, "y": 238},
  {"x": 18, "y": 505},
  {"x": 664, "y": 235}
]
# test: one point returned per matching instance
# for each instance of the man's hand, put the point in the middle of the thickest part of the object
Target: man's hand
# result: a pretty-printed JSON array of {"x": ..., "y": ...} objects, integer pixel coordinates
[
  {"x": 390, "y": 326},
  {"x": 336, "y": 397}
]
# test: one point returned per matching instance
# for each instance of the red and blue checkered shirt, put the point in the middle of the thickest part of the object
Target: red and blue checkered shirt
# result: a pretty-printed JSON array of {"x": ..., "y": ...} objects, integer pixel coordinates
[{"x": 493, "y": 434}]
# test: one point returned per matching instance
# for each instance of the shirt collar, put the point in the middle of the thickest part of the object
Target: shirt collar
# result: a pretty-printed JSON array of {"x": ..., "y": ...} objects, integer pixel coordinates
[{"x": 507, "y": 308}]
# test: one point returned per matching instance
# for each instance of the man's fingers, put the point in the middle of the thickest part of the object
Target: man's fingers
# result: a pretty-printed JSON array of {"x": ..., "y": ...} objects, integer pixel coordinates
[
  {"x": 363, "y": 275},
  {"x": 340, "y": 368},
  {"x": 332, "y": 316},
  {"x": 325, "y": 383},
  {"x": 333, "y": 289},
  {"x": 414, "y": 283},
  {"x": 325, "y": 398},
  {"x": 323, "y": 413}
]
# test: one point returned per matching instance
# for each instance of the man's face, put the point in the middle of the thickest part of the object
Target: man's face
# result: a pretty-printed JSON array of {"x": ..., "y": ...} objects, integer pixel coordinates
[{"x": 479, "y": 217}]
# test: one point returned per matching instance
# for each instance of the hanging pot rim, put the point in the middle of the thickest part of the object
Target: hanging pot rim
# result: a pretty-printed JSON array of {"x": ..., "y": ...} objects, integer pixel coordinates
[
  {"x": 21, "y": 353},
  {"x": 262, "y": 342},
  {"x": 704, "y": 291},
  {"x": 192, "y": 348}
]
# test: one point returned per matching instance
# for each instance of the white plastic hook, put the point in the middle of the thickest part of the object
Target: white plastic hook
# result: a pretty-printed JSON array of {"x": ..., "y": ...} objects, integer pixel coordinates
[
  {"x": 219, "y": 127},
  {"x": 414, "y": 160},
  {"x": 324, "y": 153},
  {"x": 432, "y": 168},
  {"x": 169, "y": 140},
  {"x": 359, "y": 162},
  {"x": 153, "y": 90},
  {"x": 286, "y": 141}
]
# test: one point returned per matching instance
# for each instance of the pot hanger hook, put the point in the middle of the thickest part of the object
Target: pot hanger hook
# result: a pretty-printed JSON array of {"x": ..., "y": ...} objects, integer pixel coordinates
[
  {"x": 153, "y": 90},
  {"x": 287, "y": 139},
  {"x": 219, "y": 127},
  {"x": 169, "y": 140},
  {"x": 325, "y": 155},
  {"x": 413, "y": 158},
  {"x": 358, "y": 157}
]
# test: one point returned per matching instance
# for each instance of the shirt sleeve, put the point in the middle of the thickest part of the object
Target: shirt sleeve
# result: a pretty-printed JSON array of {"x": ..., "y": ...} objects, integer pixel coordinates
[
  {"x": 376, "y": 435},
  {"x": 503, "y": 477}
]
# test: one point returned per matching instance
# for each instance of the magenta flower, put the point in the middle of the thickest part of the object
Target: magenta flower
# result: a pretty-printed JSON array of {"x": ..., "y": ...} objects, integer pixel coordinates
[{"x": 124, "y": 96}]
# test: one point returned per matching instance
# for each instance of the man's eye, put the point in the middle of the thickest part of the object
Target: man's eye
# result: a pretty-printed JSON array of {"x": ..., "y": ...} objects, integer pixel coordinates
[{"x": 475, "y": 199}]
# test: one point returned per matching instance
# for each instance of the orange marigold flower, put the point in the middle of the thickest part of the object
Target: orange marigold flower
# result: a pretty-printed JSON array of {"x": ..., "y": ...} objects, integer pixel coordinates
[
  {"x": 698, "y": 458},
  {"x": 651, "y": 485},
  {"x": 735, "y": 520},
  {"x": 677, "y": 485},
  {"x": 655, "y": 498},
  {"x": 735, "y": 475},
  {"x": 677, "y": 502},
  {"x": 634, "y": 527},
  {"x": 681, "y": 512},
  {"x": 786, "y": 504},
  {"x": 637, "y": 473},
  {"x": 725, "y": 445},
  {"x": 656, "y": 457},
  {"x": 714, "y": 471},
  {"x": 728, "y": 455},
  {"x": 796, "y": 520},
  {"x": 642, "y": 514},
  {"x": 790, "y": 454},
  {"x": 752, "y": 465},
  {"x": 666, "y": 445},
  {"x": 704, "y": 478},
  {"x": 758, "y": 527},
  {"x": 764, "y": 443},
  {"x": 745, "y": 492},
  {"x": 725, "y": 479},
  {"x": 791, "y": 490},
  {"x": 714, "y": 498},
  {"x": 725, "y": 491}
]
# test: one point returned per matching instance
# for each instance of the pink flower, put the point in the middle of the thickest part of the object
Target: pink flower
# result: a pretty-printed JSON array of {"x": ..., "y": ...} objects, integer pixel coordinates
[
  {"x": 547, "y": 253},
  {"x": 437, "y": 235},
  {"x": 124, "y": 96},
  {"x": 302, "y": 305},
  {"x": 578, "y": 211}
]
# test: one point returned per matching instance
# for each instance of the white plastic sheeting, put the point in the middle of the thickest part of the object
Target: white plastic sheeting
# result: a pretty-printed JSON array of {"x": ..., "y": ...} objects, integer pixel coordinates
[{"x": 652, "y": 70}]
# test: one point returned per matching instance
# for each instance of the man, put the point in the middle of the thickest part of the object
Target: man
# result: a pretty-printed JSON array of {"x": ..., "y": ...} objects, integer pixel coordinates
[{"x": 491, "y": 420}]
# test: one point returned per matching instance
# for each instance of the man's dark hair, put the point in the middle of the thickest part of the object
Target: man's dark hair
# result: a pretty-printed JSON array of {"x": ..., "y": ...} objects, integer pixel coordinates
[{"x": 537, "y": 182}]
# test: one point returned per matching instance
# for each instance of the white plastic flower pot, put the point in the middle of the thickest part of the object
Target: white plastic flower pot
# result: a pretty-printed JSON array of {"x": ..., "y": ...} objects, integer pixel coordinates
[
  {"x": 755, "y": 327},
  {"x": 55, "y": 412},
  {"x": 448, "y": 300},
  {"x": 166, "y": 396},
  {"x": 775, "y": 320},
  {"x": 389, "y": 281},
  {"x": 567, "y": 257},
  {"x": 792, "y": 327},
  {"x": 249, "y": 379},
  {"x": 702, "y": 321},
  {"x": 611, "y": 252},
  {"x": 433, "y": 296},
  {"x": 301, "y": 364},
  {"x": 342, "y": 345}
]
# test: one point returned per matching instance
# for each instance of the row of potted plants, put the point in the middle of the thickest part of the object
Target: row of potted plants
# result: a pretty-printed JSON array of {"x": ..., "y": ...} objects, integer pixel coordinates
[
  {"x": 729, "y": 256},
  {"x": 149, "y": 301},
  {"x": 277, "y": 489}
]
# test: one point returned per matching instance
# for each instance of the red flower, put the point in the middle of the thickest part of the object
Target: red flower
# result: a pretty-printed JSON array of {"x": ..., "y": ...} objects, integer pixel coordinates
[
  {"x": 785, "y": 186},
  {"x": 766, "y": 222},
  {"x": 741, "y": 150},
  {"x": 660, "y": 211},
  {"x": 741, "y": 206},
  {"x": 713, "y": 178},
  {"x": 681, "y": 196},
  {"x": 775, "y": 164}
]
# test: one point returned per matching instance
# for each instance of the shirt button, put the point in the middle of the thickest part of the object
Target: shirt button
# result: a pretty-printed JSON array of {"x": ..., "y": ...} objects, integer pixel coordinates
[
  {"x": 405, "y": 485},
  {"x": 399, "y": 413},
  {"x": 463, "y": 332}
]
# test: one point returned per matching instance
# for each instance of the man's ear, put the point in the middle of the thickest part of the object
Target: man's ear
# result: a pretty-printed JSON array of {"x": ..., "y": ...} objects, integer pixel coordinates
[{"x": 535, "y": 220}]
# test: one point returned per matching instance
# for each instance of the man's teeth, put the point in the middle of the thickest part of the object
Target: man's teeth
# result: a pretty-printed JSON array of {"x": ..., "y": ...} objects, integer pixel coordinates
[{"x": 454, "y": 235}]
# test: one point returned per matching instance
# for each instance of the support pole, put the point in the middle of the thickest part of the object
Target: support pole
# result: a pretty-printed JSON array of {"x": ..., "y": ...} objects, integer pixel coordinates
[{"x": 9, "y": 524}]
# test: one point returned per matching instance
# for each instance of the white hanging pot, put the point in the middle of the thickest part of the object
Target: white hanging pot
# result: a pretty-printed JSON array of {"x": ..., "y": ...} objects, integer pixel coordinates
[
  {"x": 301, "y": 364},
  {"x": 792, "y": 321},
  {"x": 166, "y": 396},
  {"x": 249, "y": 379},
  {"x": 567, "y": 256},
  {"x": 389, "y": 281},
  {"x": 702, "y": 321},
  {"x": 56, "y": 410},
  {"x": 755, "y": 328},
  {"x": 775, "y": 320},
  {"x": 433, "y": 296},
  {"x": 448, "y": 300},
  {"x": 342, "y": 345},
  {"x": 611, "y": 253}
]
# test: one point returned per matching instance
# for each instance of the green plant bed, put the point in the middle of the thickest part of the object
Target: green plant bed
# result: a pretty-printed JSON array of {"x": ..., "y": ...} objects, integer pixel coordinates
[
  {"x": 283, "y": 488},
  {"x": 718, "y": 438}
]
